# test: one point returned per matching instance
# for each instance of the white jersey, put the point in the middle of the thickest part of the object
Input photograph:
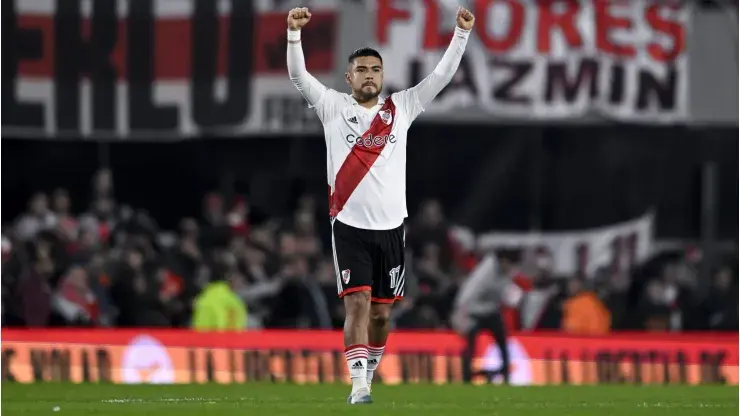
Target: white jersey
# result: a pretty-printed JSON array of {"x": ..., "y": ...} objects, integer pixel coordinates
[{"x": 366, "y": 148}]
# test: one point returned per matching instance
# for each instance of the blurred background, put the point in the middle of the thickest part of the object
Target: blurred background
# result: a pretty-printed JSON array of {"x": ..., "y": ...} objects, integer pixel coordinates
[{"x": 156, "y": 149}]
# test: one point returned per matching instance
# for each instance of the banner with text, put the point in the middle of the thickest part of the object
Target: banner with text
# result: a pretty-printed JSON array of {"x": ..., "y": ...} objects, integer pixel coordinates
[
  {"x": 154, "y": 69},
  {"x": 181, "y": 356},
  {"x": 623, "y": 60},
  {"x": 583, "y": 252}
]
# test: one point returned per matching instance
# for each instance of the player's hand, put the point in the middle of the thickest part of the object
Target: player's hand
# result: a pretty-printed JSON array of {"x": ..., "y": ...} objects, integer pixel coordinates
[
  {"x": 298, "y": 17},
  {"x": 465, "y": 19}
]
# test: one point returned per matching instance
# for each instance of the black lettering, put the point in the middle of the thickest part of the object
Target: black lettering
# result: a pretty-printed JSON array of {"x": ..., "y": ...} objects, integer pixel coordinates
[
  {"x": 710, "y": 367},
  {"x": 637, "y": 367},
  {"x": 103, "y": 76},
  {"x": 603, "y": 367},
  {"x": 86, "y": 367},
  {"x": 7, "y": 364},
  {"x": 462, "y": 81},
  {"x": 19, "y": 44},
  {"x": 664, "y": 90},
  {"x": 207, "y": 112},
  {"x": 105, "y": 369},
  {"x": 232, "y": 365},
  {"x": 68, "y": 66},
  {"x": 210, "y": 368},
  {"x": 392, "y": 138},
  {"x": 682, "y": 369},
  {"x": 505, "y": 90},
  {"x": 60, "y": 365},
  {"x": 558, "y": 83},
  {"x": 143, "y": 114},
  {"x": 616, "y": 89},
  {"x": 39, "y": 361},
  {"x": 427, "y": 367},
  {"x": 666, "y": 368},
  {"x": 288, "y": 366},
  {"x": 564, "y": 373},
  {"x": 653, "y": 357}
]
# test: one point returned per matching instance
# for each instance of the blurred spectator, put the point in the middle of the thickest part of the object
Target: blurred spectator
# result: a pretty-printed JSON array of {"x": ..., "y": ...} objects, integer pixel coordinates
[
  {"x": 307, "y": 240},
  {"x": 113, "y": 266},
  {"x": 432, "y": 279},
  {"x": 136, "y": 293},
  {"x": 102, "y": 184},
  {"x": 66, "y": 223},
  {"x": 100, "y": 218},
  {"x": 583, "y": 311},
  {"x": 653, "y": 312},
  {"x": 615, "y": 296},
  {"x": 721, "y": 306},
  {"x": 74, "y": 301},
  {"x": 218, "y": 308},
  {"x": 430, "y": 227},
  {"x": 38, "y": 218}
]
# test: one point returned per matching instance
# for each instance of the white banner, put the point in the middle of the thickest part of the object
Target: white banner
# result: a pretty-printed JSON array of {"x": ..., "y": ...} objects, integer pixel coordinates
[
  {"x": 158, "y": 69},
  {"x": 548, "y": 60},
  {"x": 584, "y": 251}
]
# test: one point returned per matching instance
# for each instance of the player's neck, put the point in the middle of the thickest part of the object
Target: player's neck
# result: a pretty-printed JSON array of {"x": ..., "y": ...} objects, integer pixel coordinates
[{"x": 367, "y": 103}]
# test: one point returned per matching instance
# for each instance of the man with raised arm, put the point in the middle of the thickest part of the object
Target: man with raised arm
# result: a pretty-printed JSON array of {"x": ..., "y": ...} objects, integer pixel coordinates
[{"x": 366, "y": 138}]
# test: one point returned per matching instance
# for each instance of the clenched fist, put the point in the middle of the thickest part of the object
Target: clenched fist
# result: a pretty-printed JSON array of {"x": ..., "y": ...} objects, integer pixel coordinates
[
  {"x": 465, "y": 19},
  {"x": 298, "y": 17}
]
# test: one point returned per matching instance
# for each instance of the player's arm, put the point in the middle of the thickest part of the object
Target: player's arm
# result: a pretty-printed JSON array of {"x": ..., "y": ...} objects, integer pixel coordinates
[
  {"x": 310, "y": 87},
  {"x": 424, "y": 92}
]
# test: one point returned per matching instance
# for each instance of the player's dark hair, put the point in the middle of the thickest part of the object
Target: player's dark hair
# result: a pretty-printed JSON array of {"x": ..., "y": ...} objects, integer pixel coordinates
[{"x": 365, "y": 51}]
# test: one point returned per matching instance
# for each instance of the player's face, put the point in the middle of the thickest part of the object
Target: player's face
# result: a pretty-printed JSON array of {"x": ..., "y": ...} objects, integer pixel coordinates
[{"x": 365, "y": 76}]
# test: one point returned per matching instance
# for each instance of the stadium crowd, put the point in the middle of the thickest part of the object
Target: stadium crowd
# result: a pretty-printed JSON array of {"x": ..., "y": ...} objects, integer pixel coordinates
[{"x": 110, "y": 265}]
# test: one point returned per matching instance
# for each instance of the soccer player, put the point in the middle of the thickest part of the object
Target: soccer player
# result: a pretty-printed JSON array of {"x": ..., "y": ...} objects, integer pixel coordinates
[{"x": 366, "y": 138}]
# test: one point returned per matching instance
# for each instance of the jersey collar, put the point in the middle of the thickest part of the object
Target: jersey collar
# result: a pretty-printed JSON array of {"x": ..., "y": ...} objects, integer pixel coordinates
[{"x": 381, "y": 101}]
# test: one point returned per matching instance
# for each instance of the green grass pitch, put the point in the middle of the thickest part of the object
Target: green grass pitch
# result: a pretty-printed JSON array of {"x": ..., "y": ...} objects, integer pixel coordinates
[{"x": 407, "y": 400}]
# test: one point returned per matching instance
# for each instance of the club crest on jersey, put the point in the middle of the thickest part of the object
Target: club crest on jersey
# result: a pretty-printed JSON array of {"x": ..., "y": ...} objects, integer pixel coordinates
[
  {"x": 386, "y": 116},
  {"x": 345, "y": 276}
]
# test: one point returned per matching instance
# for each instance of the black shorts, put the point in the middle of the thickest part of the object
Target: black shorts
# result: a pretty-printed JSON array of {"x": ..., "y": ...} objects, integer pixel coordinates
[{"x": 369, "y": 260}]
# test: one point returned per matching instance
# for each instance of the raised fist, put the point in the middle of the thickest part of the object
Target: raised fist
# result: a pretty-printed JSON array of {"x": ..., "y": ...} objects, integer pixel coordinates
[
  {"x": 298, "y": 17},
  {"x": 465, "y": 19}
]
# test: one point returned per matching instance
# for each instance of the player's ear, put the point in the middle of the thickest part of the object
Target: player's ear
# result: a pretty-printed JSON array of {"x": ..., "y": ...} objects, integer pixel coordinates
[{"x": 347, "y": 78}]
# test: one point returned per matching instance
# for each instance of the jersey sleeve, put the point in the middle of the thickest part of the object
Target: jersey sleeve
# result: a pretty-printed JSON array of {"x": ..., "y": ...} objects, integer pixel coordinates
[
  {"x": 415, "y": 99},
  {"x": 325, "y": 101}
]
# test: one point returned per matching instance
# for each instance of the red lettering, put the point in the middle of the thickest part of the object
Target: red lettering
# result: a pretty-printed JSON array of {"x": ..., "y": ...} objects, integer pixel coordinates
[
  {"x": 605, "y": 23},
  {"x": 564, "y": 21},
  {"x": 386, "y": 14},
  {"x": 432, "y": 38},
  {"x": 516, "y": 25},
  {"x": 672, "y": 29}
]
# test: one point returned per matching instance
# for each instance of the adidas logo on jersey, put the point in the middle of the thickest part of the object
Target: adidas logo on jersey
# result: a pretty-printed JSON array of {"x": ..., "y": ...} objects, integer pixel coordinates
[
  {"x": 352, "y": 120},
  {"x": 358, "y": 365}
]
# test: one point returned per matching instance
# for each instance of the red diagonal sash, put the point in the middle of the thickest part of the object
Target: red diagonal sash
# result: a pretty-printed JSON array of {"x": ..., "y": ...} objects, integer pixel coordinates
[{"x": 361, "y": 158}]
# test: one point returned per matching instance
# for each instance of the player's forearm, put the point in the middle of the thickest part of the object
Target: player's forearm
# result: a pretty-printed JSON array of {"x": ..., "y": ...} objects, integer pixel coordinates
[
  {"x": 309, "y": 86},
  {"x": 296, "y": 60},
  {"x": 445, "y": 69}
]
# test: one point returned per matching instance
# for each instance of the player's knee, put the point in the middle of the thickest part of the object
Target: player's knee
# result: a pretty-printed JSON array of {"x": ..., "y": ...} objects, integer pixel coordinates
[
  {"x": 380, "y": 314},
  {"x": 357, "y": 304}
]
